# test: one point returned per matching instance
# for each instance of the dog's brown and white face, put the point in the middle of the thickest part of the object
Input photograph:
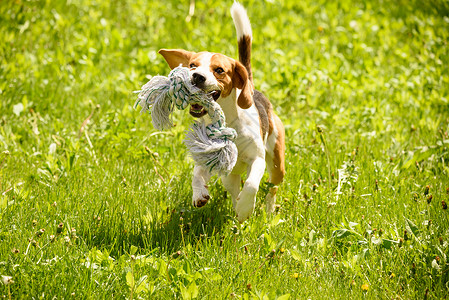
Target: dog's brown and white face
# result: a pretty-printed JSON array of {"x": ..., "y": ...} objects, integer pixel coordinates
[{"x": 214, "y": 73}]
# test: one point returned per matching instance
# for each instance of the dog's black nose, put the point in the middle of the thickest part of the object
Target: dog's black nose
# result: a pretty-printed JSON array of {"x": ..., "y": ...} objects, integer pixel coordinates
[{"x": 198, "y": 79}]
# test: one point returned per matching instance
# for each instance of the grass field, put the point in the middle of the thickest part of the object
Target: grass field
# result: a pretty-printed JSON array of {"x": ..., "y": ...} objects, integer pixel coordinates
[{"x": 95, "y": 204}]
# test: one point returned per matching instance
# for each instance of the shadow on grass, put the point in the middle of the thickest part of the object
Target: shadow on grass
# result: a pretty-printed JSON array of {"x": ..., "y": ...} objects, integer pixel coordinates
[
  {"x": 169, "y": 232},
  {"x": 189, "y": 225}
]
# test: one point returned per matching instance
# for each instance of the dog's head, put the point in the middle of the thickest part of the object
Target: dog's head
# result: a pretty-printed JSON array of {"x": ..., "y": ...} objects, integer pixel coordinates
[{"x": 214, "y": 73}]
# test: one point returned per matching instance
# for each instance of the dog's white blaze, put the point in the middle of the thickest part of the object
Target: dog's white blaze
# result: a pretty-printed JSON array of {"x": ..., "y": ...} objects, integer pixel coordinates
[
  {"x": 204, "y": 69},
  {"x": 241, "y": 20},
  {"x": 205, "y": 60}
]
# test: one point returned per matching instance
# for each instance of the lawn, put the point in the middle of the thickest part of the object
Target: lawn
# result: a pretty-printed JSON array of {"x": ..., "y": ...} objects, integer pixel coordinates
[{"x": 96, "y": 204}]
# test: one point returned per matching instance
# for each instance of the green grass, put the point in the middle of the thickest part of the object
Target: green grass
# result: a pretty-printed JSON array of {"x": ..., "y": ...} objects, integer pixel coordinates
[{"x": 362, "y": 88}]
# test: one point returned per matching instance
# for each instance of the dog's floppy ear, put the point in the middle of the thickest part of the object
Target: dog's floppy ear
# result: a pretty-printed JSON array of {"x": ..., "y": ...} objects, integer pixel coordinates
[
  {"x": 175, "y": 57},
  {"x": 241, "y": 81}
]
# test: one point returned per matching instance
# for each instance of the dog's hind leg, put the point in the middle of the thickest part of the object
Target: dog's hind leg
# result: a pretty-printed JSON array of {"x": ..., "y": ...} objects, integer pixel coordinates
[{"x": 275, "y": 158}]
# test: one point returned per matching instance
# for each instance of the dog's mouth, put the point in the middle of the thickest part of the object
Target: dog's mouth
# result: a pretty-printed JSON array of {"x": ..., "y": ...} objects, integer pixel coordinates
[
  {"x": 215, "y": 94},
  {"x": 197, "y": 110}
]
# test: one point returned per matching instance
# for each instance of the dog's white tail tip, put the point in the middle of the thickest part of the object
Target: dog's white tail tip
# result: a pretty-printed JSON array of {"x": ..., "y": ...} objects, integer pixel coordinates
[{"x": 241, "y": 20}]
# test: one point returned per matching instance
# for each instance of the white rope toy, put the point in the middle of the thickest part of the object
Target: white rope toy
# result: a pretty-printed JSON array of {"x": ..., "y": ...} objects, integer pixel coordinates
[{"x": 210, "y": 146}]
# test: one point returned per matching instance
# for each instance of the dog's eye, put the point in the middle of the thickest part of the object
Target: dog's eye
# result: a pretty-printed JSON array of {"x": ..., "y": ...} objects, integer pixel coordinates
[
  {"x": 192, "y": 66},
  {"x": 219, "y": 70}
]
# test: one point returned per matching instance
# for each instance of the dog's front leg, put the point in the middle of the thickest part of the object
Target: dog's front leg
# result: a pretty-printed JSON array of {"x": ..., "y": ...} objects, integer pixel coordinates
[
  {"x": 246, "y": 200},
  {"x": 199, "y": 186}
]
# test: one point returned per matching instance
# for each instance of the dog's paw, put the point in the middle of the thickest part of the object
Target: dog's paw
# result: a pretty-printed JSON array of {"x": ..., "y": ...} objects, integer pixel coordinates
[
  {"x": 199, "y": 202},
  {"x": 244, "y": 211},
  {"x": 200, "y": 197},
  {"x": 245, "y": 206}
]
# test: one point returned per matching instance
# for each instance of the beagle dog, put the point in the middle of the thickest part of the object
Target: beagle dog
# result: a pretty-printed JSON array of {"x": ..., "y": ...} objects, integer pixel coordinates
[{"x": 261, "y": 135}]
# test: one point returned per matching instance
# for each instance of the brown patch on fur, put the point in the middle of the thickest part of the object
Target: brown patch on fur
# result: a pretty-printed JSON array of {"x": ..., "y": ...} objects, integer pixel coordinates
[
  {"x": 175, "y": 57},
  {"x": 278, "y": 172},
  {"x": 225, "y": 79},
  {"x": 234, "y": 76},
  {"x": 241, "y": 81},
  {"x": 245, "y": 54}
]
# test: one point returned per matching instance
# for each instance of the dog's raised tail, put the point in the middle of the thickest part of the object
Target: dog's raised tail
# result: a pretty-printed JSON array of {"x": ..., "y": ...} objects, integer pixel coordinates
[{"x": 244, "y": 35}]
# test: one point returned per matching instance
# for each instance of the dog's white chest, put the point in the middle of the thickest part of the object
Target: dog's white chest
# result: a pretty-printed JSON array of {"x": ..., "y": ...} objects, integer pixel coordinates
[{"x": 249, "y": 141}]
